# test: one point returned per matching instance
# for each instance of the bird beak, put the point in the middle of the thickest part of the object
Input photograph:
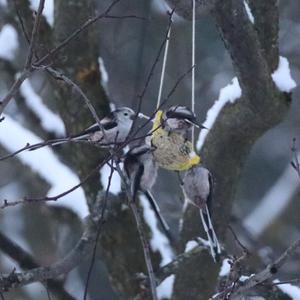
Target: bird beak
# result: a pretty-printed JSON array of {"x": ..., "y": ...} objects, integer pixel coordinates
[
  {"x": 196, "y": 124},
  {"x": 141, "y": 115}
]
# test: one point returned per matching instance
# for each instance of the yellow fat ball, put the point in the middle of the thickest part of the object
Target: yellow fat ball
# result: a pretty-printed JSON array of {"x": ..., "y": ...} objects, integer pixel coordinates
[{"x": 172, "y": 150}]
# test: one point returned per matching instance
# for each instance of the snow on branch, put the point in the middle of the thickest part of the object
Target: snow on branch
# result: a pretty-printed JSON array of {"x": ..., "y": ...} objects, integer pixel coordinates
[
  {"x": 248, "y": 282},
  {"x": 282, "y": 76},
  {"x": 249, "y": 12},
  {"x": 229, "y": 93},
  {"x": 289, "y": 289},
  {"x": 48, "y": 11}
]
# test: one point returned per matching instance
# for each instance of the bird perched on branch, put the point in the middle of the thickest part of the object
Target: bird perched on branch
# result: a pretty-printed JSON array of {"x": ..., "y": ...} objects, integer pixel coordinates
[
  {"x": 171, "y": 149},
  {"x": 197, "y": 188},
  {"x": 141, "y": 170},
  {"x": 114, "y": 129},
  {"x": 179, "y": 119}
]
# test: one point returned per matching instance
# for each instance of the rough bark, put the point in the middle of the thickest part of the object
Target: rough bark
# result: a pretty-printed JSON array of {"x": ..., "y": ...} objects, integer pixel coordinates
[
  {"x": 237, "y": 128},
  {"x": 79, "y": 61}
]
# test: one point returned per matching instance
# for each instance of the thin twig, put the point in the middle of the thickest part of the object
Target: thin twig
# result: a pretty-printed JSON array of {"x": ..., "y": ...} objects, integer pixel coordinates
[
  {"x": 26, "y": 261},
  {"x": 151, "y": 72},
  {"x": 295, "y": 163},
  {"x": 34, "y": 35},
  {"x": 99, "y": 226},
  {"x": 141, "y": 231},
  {"x": 27, "y": 67},
  {"x": 262, "y": 276},
  {"x": 58, "y": 196},
  {"x": 27, "y": 72},
  {"x": 77, "y": 255},
  {"x": 75, "y": 33}
]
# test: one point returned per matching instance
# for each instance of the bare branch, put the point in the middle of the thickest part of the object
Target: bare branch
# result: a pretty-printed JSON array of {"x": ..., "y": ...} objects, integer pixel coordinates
[
  {"x": 26, "y": 261},
  {"x": 174, "y": 265},
  {"x": 34, "y": 35},
  {"x": 260, "y": 277},
  {"x": 81, "y": 251}
]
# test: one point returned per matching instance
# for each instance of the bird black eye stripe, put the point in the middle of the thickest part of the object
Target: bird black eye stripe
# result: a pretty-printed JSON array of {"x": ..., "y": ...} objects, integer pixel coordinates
[{"x": 179, "y": 115}]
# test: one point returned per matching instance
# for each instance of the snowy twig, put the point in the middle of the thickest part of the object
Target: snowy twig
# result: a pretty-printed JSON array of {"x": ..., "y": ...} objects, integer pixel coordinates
[
  {"x": 262, "y": 276},
  {"x": 34, "y": 35},
  {"x": 27, "y": 68}
]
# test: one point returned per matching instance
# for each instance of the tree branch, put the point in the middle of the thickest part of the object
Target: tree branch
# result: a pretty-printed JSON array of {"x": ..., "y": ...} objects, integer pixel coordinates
[
  {"x": 81, "y": 251},
  {"x": 26, "y": 261},
  {"x": 235, "y": 131},
  {"x": 267, "y": 273},
  {"x": 174, "y": 265}
]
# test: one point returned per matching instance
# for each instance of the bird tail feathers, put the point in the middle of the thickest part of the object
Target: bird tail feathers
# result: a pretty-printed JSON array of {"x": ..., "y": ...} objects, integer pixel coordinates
[
  {"x": 160, "y": 218},
  {"x": 214, "y": 244}
]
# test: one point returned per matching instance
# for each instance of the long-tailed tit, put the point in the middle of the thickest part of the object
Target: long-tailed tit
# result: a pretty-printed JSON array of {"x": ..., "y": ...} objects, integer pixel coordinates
[
  {"x": 115, "y": 129},
  {"x": 180, "y": 119},
  {"x": 197, "y": 188},
  {"x": 172, "y": 151},
  {"x": 141, "y": 171}
]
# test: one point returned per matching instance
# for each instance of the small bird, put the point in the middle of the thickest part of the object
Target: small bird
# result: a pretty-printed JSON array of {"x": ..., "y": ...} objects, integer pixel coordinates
[
  {"x": 141, "y": 171},
  {"x": 172, "y": 151},
  {"x": 115, "y": 129},
  {"x": 197, "y": 188},
  {"x": 180, "y": 119}
]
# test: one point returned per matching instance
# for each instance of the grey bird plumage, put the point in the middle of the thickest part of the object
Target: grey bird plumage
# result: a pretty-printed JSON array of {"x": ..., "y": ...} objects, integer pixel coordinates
[
  {"x": 115, "y": 129},
  {"x": 198, "y": 188},
  {"x": 141, "y": 170}
]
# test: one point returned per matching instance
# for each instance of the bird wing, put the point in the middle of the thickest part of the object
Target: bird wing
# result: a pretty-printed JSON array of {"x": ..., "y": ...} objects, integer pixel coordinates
[
  {"x": 210, "y": 195},
  {"x": 95, "y": 127},
  {"x": 187, "y": 115}
]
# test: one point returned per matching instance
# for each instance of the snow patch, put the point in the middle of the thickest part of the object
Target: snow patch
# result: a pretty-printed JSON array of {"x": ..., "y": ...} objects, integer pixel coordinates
[
  {"x": 282, "y": 76},
  {"x": 44, "y": 162},
  {"x": 8, "y": 42},
  {"x": 229, "y": 93},
  {"x": 165, "y": 289},
  {"x": 289, "y": 289},
  {"x": 249, "y": 12},
  {"x": 159, "y": 241},
  {"x": 115, "y": 184},
  {"x": 48, "y": 10},
  {"x": 190, "y": 245},
  {"x": 103, "y": 72},
  {"x": 49, "y": 120},
  {"x": 225, "y": 268}
]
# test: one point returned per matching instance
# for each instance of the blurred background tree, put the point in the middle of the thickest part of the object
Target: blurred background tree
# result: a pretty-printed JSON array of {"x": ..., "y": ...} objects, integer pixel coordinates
[{"x": 257, "y": 190}]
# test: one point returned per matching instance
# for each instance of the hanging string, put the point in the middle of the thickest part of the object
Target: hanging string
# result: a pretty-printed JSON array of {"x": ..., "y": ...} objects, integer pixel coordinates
[
  {"x": 193, "y": 65},
  {"x": 163, "y": 70}
]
